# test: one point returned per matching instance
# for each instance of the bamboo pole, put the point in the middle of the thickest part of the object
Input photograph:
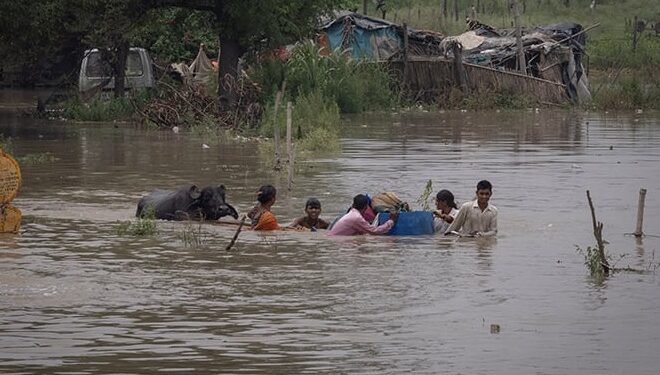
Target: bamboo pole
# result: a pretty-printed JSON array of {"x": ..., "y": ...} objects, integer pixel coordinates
[
  {"x": 640, "y": 213},
  {"x": 289, "y": 145}
]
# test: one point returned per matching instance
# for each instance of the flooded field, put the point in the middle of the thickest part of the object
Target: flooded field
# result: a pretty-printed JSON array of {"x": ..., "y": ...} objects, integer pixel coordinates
[{"x": 77, "y": 298}]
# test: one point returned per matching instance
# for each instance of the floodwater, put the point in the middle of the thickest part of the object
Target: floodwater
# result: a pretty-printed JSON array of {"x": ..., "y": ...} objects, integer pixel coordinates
[{"x": 77, "y": 298}]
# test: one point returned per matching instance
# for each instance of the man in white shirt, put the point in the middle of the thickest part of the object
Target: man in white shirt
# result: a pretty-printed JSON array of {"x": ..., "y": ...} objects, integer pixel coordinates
[{"x": 476, "y": 218}]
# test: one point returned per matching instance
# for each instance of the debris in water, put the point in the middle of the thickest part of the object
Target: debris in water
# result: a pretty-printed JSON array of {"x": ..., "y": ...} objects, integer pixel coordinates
[
  {"x": 204, "y": 145},
  {"x": 494, "y": 328}
]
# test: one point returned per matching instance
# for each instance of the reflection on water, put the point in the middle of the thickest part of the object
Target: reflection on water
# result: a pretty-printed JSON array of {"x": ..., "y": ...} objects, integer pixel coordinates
[{"x": 75, "y": 297}]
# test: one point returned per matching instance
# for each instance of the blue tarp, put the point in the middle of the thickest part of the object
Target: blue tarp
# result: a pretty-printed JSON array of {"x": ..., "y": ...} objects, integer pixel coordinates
[{"x": 367, "y": 38}]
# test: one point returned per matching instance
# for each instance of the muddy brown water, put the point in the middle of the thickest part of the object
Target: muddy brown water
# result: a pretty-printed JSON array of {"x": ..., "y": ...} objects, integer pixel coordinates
[{"x": 77, "y": 298}]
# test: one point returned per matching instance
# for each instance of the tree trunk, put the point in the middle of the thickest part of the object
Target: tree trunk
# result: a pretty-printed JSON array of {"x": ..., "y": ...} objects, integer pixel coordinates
[
  {"x": 230, "y": 51},
  {"x": 444, "y": 8},
  {"x": 456, "y": 10},
  {"x": 119, "y": 68}
]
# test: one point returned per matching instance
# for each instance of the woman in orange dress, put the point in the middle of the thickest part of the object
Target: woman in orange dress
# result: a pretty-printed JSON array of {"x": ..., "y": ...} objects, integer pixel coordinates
[{"x": 262, "y": 218}]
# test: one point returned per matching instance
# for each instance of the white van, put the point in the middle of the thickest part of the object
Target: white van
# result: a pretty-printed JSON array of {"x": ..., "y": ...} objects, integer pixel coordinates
[{"x": 94, "y": 71}]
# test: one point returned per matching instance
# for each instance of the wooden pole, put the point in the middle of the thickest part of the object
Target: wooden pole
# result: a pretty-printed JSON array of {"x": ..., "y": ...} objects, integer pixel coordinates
[
  {"x": 365, "y": 6},
  {"x": 459, "y": 69},
  {"x": 640, "y": 213},
  {"x": 456, "y": 10},
  {"x": 405, "y": 53},
  {"x": 444, "y": 8},
  {"x": 276, "y": 127},
  {"x": 289, "y": 146},
  {"x": 238, "y": 231},
  {"x": 522, "y": 66}
]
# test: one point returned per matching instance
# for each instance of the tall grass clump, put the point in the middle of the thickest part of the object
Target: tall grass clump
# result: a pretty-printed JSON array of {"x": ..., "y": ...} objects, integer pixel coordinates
[
  {"x": 315, "y": 123},
  {"x": 354, "y": 85}
]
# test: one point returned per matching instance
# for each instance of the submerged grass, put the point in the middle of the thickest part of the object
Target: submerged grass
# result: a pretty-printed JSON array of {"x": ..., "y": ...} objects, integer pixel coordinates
[
  {"x": 145, "y": 225},
  {"x": 192, "y": 235}
]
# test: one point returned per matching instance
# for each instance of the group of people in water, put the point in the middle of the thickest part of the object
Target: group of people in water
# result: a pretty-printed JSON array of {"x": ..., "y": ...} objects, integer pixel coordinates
[{"x": 474, "y": 218}]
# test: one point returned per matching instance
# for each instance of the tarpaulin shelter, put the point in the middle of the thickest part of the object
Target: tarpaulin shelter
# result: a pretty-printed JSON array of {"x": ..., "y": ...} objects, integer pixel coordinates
[
  {"x": 375, "y": 38},
  {"x": 199, "y": 71}
]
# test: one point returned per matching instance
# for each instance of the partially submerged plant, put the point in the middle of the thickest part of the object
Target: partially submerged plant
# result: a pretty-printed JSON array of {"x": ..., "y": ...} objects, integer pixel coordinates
[
  {"x": 38, "y": 158},
  {"x": 145, "y": 225},
  {"x": 423, "y": 199},
  {"x": 191, "y": 236},
  {"x": 594, "y": 261}
]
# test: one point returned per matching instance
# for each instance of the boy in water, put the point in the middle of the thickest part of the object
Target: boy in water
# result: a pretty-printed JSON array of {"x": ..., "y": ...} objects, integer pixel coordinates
[
  {"x": 312, "y": 220},
  {"x": 476, "y": 218}
]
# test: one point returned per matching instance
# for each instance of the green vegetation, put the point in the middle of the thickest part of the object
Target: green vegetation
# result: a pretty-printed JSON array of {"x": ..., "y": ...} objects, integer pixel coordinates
[
  {"x": 423, "y": 199},
  {"x": 320, "y": 86},
  {"x": 630, "y": 92},
  {"x": 142, "y": 226},
  {"x": 594, "y": 261},
  {"x": 34, "y": 159},
  {"x": 355, "y": 85},
  {"x": 104, "y": 109}
]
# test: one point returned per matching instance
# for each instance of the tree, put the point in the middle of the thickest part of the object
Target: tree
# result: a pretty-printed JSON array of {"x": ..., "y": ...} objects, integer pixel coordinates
[
  {"x": 41, "y": 40},
  {"x": 254, "y": 24}
]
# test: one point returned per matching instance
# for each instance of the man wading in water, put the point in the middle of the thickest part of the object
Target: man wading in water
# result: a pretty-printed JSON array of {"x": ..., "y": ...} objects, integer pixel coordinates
[{"x": 476, "y": 218}]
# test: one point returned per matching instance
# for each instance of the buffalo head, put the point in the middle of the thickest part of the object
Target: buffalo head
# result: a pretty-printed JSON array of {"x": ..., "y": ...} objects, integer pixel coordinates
[{"x": 212, "y": 203}]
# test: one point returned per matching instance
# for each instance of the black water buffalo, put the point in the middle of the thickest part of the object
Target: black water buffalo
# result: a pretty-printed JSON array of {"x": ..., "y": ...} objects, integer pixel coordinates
[{"x": 188, "y": 203}]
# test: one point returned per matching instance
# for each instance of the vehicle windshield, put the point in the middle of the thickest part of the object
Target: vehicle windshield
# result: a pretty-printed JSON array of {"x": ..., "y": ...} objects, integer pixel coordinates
[{"x": 97, "y": 67}]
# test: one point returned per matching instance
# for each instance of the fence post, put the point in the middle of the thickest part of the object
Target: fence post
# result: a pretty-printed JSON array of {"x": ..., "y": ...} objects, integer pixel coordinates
[
  {"x": 640, "y": 213},
  {"x": 522, "y": 65}
]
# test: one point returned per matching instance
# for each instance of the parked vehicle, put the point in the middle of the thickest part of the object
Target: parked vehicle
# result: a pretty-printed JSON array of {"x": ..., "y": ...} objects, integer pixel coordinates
[{"x": 94, "y": 71}]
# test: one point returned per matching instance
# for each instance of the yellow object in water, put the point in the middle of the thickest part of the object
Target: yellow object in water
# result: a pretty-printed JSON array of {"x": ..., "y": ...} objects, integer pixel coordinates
[
  {"x": 10, "y": 219},
  {"x": 10, "y": 183}
]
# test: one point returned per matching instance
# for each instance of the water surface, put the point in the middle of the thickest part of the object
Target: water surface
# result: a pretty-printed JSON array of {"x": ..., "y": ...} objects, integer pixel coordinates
[{"x": 76, "y": 297}]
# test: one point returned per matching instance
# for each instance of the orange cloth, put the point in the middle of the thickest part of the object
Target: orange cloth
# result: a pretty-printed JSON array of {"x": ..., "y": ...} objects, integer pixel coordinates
[{"x": 267, "y": 221}]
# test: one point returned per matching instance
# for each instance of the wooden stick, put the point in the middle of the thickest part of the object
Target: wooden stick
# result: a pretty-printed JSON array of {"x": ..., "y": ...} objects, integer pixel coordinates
[
  {"x": 276, "y": 129},
  {"x": 640, "y": 213},
  {"x": 598, "y": 233},
  {"x": 238, "y": 231},
  {"x": 289, "y": 147}
]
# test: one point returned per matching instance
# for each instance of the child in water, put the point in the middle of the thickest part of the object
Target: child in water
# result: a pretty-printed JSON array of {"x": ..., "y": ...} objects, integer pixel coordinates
[
  {"x": 312, "y": 220},
  {"x": 446, "y": 211},
  {"x": 262, "y": 218}
]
